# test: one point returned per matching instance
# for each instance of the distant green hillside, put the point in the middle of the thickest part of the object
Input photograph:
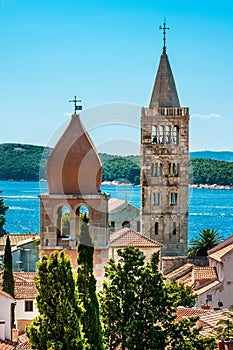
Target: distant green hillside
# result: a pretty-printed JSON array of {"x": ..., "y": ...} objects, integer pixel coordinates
[{"x": 27, "y": 162}]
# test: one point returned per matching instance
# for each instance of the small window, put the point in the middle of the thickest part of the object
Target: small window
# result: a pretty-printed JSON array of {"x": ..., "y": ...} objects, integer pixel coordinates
[
  {"x": 112, "y": 226},
  {"x": 154, "y": 134},
  {"x": 126, "y": 224},
  {"x": 155, "y": 198},
  {"x": 176, "y": 135},
  {"x": 168, "y": 134},
  {"x": 173, "y": 198},
  {"x": 209, "y": 297},
  {"x": 161, "y": 136},
  {"x": 156, "y": 228},
  {"x": 28, "y": 305},
  {"x": 174, "y": 228}
]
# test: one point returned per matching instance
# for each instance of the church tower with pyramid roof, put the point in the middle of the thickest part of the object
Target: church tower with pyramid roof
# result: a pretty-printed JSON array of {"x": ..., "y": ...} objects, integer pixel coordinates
[{"x": 164, "y": 163}]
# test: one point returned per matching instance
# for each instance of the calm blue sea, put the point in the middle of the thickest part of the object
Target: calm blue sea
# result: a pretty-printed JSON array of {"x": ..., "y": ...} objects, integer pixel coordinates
[{"x": 207, "y": 208}]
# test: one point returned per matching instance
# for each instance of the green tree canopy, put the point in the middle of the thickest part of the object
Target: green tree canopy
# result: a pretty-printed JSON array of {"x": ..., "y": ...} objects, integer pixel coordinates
[
  {"x": 138, "y": 309},
  {"x": 206, "y": 240},
  {"x": 3, "y": 209},
  {"x": 86, "y": 283},
  {"x": 58, "y": 324},
  {"x": 8, "y": 278}
]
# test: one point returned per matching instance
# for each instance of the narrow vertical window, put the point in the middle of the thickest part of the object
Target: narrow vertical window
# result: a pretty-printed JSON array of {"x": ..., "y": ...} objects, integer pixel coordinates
[
  {"x": 174, "y": 228},
  {"x": 155, "y": 198},
  {"x": 160, "y": 169},
  {"x": 143, "y": 197},
  {"x": 169, "y": 169},
  {"x": 161, "y": 136},
  {"x": 176, "y": 134},
  {"x": 156, "y": 228},
  {"x": 173, "y": 198},
  {"x": 168, "y": 134},
  {"x": 174, "y": 170},
  {"x": 154, "y": 134}
]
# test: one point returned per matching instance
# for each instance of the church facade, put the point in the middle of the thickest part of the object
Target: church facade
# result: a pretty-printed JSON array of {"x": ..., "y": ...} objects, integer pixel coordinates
[{"x": 164, "y": 164}]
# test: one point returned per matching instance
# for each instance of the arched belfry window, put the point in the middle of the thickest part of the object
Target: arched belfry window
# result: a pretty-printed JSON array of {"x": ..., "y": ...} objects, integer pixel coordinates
[
  {"x": 176, "y": 134},
  {"x": 155, "y": 139},
  {"x": 161, "y": 134},
  {"x": 63, "y": 225},
  {"x": 168, "y": 134},
  {"x": 80, "y": 213}
]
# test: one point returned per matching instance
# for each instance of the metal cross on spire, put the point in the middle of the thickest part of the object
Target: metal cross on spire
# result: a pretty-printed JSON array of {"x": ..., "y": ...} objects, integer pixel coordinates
[
  {"x": 164, "y": 35},
  {"x": 76, "y": 107}
]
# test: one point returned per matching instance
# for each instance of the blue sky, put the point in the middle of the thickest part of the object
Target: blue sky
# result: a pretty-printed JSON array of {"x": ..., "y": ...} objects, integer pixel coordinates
[{"x": 107, "y": 53}]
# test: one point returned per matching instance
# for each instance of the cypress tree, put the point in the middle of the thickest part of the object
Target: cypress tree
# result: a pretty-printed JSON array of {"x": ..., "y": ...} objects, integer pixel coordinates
[
  {"x": 87, "y": 289},
  {"x": 3, "y": 209},
  {"x": 58, "y": 325},
  {"x": 8, "y": 278}
]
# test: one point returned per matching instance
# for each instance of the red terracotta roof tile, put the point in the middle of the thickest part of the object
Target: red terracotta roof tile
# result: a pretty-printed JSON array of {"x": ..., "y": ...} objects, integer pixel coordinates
[
  {"x": 182, "y": 312},
  {"x": 204, "y": 273},
  {"x": 179, "y": 272},
  {"x": 127, "y": 237}
]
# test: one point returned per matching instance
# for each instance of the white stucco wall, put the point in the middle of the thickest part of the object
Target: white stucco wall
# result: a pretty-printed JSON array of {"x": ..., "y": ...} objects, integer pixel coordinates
[
  {"x": 21, "y": 314},
  {"x": 5, "y": 313}
]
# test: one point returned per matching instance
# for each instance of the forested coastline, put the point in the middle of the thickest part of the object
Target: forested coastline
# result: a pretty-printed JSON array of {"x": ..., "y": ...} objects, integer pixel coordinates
[{"x": 23, "y": 162}]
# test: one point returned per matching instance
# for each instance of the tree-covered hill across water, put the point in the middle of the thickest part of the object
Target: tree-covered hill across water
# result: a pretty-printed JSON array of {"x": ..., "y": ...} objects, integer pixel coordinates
[{"x": 23, "y": 162}]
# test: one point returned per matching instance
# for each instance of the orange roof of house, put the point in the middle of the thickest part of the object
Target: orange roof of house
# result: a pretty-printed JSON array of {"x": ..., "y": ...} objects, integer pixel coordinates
[
  {"x": 179, "y": 272},
  {"x": 204, "y": 273},
  {"x": 182, "y": 312},
  {"x": 4, "y": 346},
  {"x": 25, "y": 287},
  {"x": 208, "y": 319},
  {"x": 219, "y": 254},
  {"x": 127, "y": 237},
  {"x": 16, "y": 238}
]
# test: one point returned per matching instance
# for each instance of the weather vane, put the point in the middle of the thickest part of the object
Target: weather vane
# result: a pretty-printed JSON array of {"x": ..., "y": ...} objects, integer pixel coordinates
[
  {"x": 76, "y": 107},
  {"x": 164, "y": 34}
]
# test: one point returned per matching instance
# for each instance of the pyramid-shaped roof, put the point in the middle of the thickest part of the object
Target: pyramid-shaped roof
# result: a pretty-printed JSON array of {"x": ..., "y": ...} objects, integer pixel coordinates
[{"x": 164, "y": 92}]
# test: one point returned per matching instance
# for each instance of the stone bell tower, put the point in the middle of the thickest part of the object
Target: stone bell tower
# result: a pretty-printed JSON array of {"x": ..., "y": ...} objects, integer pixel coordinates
[
  {"x": 74, "y": 174},
  {"x": 164, "y": 163}
]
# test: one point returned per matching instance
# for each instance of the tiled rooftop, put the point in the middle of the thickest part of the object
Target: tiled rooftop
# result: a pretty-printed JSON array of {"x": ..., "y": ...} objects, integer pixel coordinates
[
  {"x": 204, "y": 273},
  {"x": 4, "y": 346},
  {"x": 130, "y": 238},
  {"x": 179, "y": 272},
  {"x": 221, "y": 245},
  {"x": 219, "y": 254},
  {"x": 25, "y": 287},
  {"x": 16, "y": 238},
  {"x": 188, "y": 312},
  {"x": 208, "y": 319}
]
